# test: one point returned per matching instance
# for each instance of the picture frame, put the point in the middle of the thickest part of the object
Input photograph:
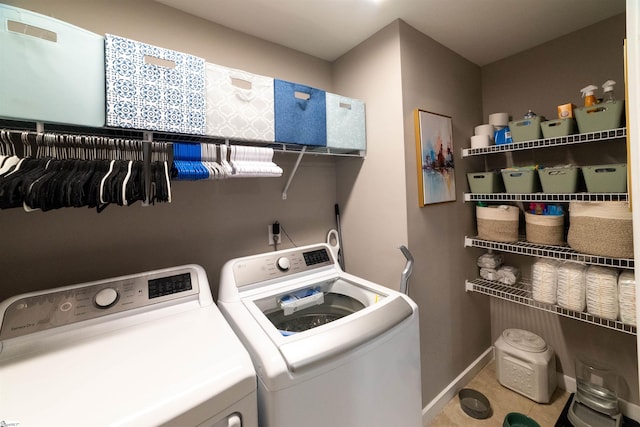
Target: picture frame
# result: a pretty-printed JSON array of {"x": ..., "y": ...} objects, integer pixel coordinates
[{"x": 434, "y": 155}]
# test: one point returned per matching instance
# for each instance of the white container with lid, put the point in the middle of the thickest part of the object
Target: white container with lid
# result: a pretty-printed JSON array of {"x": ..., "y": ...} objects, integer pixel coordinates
[{"x": 526, "y": 364}]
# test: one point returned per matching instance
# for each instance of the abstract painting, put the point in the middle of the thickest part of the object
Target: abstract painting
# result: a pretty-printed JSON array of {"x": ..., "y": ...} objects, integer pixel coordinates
[{"x": 434, "y": 153}]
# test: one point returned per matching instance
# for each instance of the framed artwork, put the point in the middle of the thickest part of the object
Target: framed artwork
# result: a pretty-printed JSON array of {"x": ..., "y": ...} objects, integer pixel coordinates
[{"x": 434, "y": 154}]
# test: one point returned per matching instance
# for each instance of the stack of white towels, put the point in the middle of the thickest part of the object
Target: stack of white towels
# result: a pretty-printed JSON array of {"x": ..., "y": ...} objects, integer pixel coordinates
[{"x": 491, "y": 268}]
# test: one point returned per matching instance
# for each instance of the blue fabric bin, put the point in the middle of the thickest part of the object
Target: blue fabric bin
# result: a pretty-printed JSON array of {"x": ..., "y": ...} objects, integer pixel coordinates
[{"x": 300, "y": 114}]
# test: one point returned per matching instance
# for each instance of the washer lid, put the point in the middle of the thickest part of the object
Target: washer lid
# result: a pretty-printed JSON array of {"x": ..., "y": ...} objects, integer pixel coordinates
[{"x": 524, "y": 340}]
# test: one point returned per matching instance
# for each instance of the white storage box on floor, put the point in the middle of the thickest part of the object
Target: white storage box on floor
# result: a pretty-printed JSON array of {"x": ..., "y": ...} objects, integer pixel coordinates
[{"x": 526, "y": 364}]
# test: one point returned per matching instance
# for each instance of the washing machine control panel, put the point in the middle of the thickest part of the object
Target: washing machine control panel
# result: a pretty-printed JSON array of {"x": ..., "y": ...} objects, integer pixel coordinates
[
  {"x": 38, "y": 312},
  {"x": 280, "y": 264}
]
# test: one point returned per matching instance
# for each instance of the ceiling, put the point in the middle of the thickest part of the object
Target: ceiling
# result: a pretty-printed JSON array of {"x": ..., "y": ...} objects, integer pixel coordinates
[{"x": 483, "y": 31}]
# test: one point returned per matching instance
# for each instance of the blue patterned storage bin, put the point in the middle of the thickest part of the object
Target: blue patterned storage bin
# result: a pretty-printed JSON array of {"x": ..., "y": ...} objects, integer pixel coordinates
[
  {"x": 345, "y": 123},
  {"x": 239, "y": 104},
  {"x": 152, "y": 88},
  {"x": 301, "y": 114},
  {"x": 50, "y": 71}
]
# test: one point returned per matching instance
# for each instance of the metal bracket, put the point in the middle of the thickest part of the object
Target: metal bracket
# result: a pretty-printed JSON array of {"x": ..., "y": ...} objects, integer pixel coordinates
[{"x": 293, "y": 172}]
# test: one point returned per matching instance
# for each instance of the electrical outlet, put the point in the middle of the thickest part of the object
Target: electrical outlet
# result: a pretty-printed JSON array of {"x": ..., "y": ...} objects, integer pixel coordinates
[{"x": 273, "y": 238}]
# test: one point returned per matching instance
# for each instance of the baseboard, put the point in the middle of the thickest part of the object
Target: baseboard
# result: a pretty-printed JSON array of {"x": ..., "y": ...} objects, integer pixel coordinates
[
  {"x": 628, "y": 409},
  {"x": 434, "y": 407}
]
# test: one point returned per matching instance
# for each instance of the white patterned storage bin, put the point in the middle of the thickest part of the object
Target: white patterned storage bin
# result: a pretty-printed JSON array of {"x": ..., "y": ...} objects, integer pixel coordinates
[
  {"x": 345, "y": 123},
  {"x": 239, "y": 104},
  {"x": 152, "y": 88},
  {"x": 50, "y": 71}
]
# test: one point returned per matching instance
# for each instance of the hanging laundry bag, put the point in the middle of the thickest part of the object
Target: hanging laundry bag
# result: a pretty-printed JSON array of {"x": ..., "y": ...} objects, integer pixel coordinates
[
  {"x": 50, "y": 71},
  {"x": 345, "y": 123},
  {"x": 152, "y": 88},
  {"x": 239, "y": 104},
  {"x": 300, "y": 112}
]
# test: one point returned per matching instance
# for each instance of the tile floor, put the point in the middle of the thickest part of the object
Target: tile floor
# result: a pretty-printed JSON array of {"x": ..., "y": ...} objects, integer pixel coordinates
[{"x": 502, "y": 402}]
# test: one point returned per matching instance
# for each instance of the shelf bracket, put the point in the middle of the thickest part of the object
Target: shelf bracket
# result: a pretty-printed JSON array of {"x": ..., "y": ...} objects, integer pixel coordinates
[
  {"x": 468, "y": 286},
  {"x": 293, "y": 172},
  {"x": 468, "y": 242}
]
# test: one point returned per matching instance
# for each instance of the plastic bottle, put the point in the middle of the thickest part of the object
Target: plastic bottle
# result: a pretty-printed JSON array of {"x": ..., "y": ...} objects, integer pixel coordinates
[
  {"x": 587, "y": 94},
  {"x": 608, "y": 95}
]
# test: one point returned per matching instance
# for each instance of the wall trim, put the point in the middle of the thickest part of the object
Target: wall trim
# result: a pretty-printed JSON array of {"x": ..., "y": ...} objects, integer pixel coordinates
[{"x": 434, "y": 407}]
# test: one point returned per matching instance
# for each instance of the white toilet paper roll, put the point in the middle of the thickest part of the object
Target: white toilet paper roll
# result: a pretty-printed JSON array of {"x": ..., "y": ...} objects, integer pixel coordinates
[
  {"x": 478, "y": 141},
  {"x": 499, "y": 119},
  {"x": 484, "y": 130}
]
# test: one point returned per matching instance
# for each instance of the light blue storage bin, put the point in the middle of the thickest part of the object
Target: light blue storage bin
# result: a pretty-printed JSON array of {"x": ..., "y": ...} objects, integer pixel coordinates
[
  {"x": 345, "y": 123},
  {"x": 50, "y": 71},
  {"x": 301, "y": 114}
]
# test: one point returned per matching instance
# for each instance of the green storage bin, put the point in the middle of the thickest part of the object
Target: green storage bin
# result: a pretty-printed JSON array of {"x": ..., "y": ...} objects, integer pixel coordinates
[
  {"x": 520, "y": 181},
  {"x": 485, "y": 182},
  {"x": 526, "y": 130},
  {"x": 599, "y": 117},
  {"x": 606, "y": 178},
  {"x": 558, "y": 127},
  {"x": 559, "y": 180}
]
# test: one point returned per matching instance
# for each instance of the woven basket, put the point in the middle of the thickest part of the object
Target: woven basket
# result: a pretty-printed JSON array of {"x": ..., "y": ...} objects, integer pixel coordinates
[
  {"x": 601, "y": 228},
  {"x": 498, "y": 223},
  {"x": 544, "y": 229}
]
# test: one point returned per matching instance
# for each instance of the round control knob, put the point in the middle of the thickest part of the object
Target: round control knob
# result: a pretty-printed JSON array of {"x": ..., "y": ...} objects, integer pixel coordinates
[
  {"x": 283, "y": 263},
  {"x": 106, "y": 298}
]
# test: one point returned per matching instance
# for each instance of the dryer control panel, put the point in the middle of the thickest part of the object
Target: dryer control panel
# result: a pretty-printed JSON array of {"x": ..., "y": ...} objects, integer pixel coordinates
[
  {"x": 62, "y": 306},
  {"x": 259, "y": 268}
]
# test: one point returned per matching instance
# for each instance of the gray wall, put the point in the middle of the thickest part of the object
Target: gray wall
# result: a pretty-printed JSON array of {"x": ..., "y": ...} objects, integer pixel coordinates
[
  {"x": 454, "y": 325},
  {"x": 540, "y": 79},
  {"x": 395, "y": 71}
]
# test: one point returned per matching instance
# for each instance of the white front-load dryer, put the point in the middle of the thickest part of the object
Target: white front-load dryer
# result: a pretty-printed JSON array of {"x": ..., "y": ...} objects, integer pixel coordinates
[{"x": 329, "y": 348}]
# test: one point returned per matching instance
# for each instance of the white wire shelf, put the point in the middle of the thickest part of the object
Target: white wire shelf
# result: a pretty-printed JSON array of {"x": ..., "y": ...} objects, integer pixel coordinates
[
  {"x": 32, "y": 128},
  {"x": 546, "y": 197},
  {"x": 521, "y": 293},
  {"x": 544, "y": 251},
  {"x": 548, "y": 142}
]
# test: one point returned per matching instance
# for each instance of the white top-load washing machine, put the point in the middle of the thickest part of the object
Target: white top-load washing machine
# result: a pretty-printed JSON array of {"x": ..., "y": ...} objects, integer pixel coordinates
[
  {"x": 150, "y": 349},
  {"x": 330, "y": 349}
]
